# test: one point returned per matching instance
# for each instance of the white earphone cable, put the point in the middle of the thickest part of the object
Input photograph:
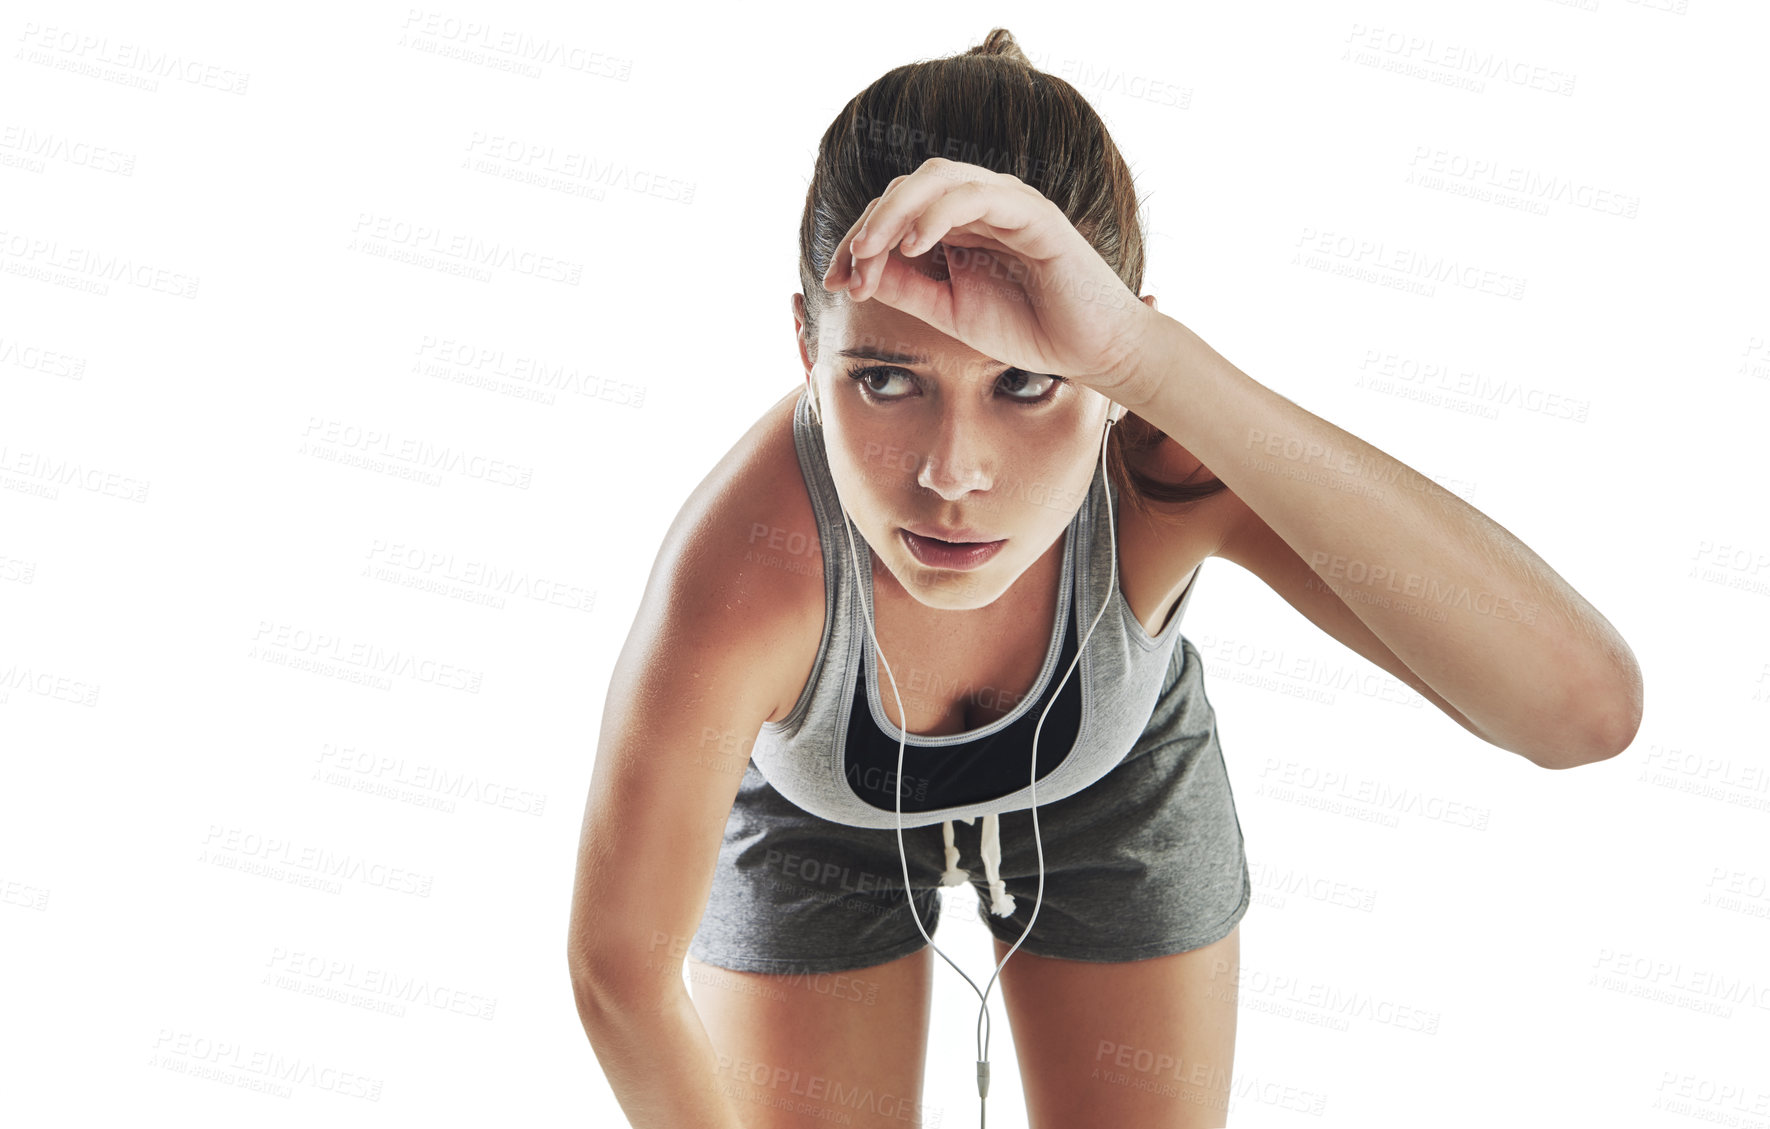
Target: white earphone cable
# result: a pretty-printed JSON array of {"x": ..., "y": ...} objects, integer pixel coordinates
[{"x": 1033, "y": 783}]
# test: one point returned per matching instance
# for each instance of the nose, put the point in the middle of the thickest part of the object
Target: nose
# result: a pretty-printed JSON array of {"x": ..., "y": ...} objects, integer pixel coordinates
[{"x": 955, "y": 462}]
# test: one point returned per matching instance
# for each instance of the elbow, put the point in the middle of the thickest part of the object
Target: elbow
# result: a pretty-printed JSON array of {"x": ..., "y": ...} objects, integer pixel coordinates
[
  {"x": 583, "y": 986},
  {"x": 1612, "y": 720},
  {"x": 612, "y": 986},
  {"x": 589, "y": 984},
  {"x": 591, "y": 995},
  {"x": 1565, "y": 756}
]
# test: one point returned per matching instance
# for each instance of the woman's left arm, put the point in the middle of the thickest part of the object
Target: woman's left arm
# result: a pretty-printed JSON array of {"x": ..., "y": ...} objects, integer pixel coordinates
[
  {"x": 1476, "y": 616},
  {"x": 1469, "y": 608}
]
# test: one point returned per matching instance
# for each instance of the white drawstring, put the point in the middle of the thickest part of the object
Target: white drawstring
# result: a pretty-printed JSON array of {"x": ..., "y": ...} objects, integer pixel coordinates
[
  {"x": 955, "y": 874},
  {"x": 1001, "y": 902}
]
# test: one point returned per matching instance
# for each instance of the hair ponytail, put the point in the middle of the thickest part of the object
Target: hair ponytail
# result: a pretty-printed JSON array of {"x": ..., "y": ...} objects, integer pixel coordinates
[{"x": 1000, "y": 42}]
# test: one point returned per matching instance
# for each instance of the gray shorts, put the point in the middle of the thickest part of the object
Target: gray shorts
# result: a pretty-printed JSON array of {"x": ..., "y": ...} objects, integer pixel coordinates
[{"x": 1146, "y": 861}]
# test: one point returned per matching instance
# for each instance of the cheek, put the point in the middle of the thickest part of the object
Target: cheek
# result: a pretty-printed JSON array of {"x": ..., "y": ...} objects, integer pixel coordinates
[
  {"x": 1062, "y": 472},
  {"x": 867, "y": 479},
  {"x": 876, "y": 467}
]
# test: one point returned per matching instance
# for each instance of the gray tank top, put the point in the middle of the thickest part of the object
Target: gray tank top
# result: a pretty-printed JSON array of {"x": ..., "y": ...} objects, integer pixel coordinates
[{"x": 811, "y": 755}]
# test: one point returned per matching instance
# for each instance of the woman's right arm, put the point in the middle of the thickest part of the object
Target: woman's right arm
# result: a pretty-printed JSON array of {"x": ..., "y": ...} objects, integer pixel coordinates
[{"x": 700, "y": 672}]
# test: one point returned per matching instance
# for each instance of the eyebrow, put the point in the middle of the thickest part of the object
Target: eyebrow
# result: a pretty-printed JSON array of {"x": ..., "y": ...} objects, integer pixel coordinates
[{"x": 886, "y": 356}]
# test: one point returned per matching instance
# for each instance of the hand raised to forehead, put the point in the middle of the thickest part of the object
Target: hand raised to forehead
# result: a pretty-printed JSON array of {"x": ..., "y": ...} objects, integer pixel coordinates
[{"x": 1013, "y": 280}]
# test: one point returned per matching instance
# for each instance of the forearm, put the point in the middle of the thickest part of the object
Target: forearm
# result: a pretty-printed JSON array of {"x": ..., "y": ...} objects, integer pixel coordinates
[
  {"x": 1473, "y": 611},
  {"x": 658, "y": 1059}
]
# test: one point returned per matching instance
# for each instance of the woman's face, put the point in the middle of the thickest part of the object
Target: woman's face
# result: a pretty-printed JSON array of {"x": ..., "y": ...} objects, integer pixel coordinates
[{"x": 926, "y": 434}]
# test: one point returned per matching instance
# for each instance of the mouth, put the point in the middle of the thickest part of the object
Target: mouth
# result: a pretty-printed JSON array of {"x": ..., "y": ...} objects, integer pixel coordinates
[
  {"x": 960, "y": 535},
  {"x": 936, "y": 552}
]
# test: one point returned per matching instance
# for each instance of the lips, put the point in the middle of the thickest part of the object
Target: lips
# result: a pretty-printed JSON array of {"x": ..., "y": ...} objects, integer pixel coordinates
[
  {"x": 964, "y": 535},
  {"x": 937, "y": 552}
]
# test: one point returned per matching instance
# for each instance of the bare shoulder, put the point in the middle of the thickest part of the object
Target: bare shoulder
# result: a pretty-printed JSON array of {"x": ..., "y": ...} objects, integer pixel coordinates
[
  {"x": 1160, "y": 550},
  {"x": 747, "y": 539}
]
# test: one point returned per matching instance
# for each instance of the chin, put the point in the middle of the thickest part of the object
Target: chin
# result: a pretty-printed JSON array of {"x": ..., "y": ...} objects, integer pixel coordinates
[{"x": 948, "y": 590}]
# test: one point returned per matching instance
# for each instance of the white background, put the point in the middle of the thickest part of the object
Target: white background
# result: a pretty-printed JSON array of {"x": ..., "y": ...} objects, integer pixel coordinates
[{"x": 257, "y": 492}]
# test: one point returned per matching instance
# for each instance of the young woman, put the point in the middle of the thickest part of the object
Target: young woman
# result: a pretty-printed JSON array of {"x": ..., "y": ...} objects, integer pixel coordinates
[{"x": 944, "y": 581}]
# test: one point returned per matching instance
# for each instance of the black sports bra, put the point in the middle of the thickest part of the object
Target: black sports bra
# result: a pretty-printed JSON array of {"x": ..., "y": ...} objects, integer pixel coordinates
[{"x": 984, "y": 768}]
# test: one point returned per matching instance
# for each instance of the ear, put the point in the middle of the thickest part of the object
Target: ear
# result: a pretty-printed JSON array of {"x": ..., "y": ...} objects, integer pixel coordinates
[
  {"x": 805, "y": 356},
  {"x": 1149, "y": 300},
  {"x": 800, "y": 335}
]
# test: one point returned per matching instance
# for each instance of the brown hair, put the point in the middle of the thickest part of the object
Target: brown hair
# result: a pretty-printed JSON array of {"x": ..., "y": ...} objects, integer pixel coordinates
[{"x": 989, "y": 106}]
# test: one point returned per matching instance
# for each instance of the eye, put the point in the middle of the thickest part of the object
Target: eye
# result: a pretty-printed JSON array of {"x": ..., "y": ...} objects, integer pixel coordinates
[
  {"x": 864, "y": 377},
  {"x": 1015, "y": 381},
  {"x": 1045, "y": 384}
]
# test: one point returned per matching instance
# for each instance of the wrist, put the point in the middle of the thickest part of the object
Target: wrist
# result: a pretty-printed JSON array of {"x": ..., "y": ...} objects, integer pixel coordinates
[{"x": 1133, "y": 378}]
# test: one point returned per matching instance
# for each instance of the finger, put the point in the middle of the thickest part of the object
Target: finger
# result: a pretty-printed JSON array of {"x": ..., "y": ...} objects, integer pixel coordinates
[
  {"x": 909, "y": 197},
  {"x": 977, "y": 215},
  {"x": 868, "y": 271},
  {"x": 872, "y": 268},
  {"x": 901, "y": 285},
  {"x": 937, "y": 178},
  {"x": 865, "y": 271},
  {"x": 892, "y": 211},
  {"x": 914, "y": 286},
  {"x": 840, "y": 274},
  {"x": 1020, "y": 227},
  {"x": 890, "y": 187},
  {"x": 872, "y": 272},
  {"x": 988, "y": 209},
  {"x": 867, "y": 225}
]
